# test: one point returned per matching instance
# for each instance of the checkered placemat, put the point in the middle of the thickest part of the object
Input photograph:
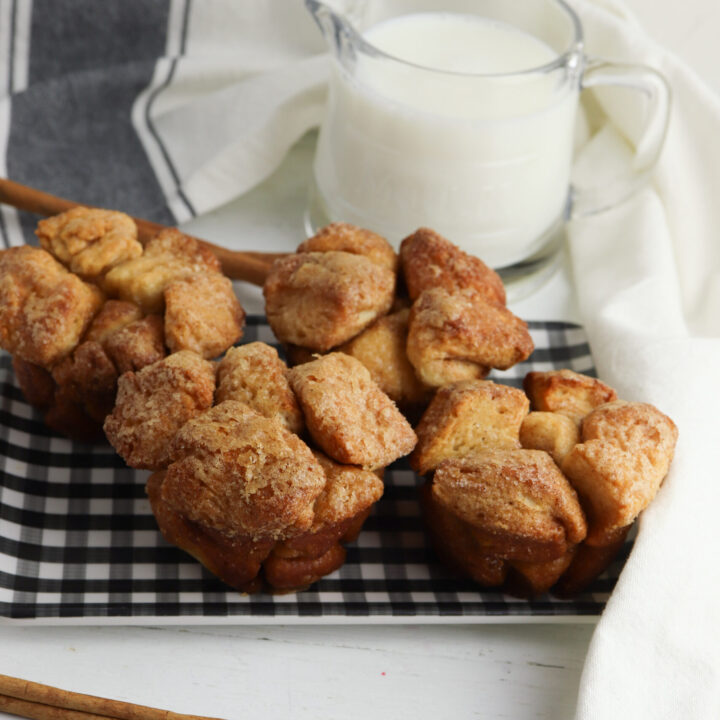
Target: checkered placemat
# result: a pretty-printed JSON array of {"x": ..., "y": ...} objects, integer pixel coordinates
[{"x": 78, "y": 541}]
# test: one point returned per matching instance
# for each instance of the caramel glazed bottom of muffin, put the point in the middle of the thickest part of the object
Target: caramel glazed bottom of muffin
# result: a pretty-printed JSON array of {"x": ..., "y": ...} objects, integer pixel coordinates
[{"x": 263, "y": 472}]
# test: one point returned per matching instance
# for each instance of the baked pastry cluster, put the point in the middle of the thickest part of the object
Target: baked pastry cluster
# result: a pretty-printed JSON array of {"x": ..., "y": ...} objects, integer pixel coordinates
[
  {"x": 91, "y": 303},
  {"x": 261, "y": 473},
  {"x": 417, "y": 321},
  {"x": 537, "y": 490}
]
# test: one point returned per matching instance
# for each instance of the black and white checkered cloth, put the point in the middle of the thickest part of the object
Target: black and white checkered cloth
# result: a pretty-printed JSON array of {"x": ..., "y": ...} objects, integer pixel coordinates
[{"x": 79, "y": 543}]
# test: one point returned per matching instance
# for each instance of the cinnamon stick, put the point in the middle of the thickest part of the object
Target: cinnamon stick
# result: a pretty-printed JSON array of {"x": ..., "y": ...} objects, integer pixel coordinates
[
  {"x": 45, "y": 702},
  {"x": 249, "y": 266}
]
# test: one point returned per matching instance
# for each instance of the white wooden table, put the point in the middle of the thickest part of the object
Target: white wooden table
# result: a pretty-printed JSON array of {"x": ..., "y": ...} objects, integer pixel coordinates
[{"x": 348, "y": 671}]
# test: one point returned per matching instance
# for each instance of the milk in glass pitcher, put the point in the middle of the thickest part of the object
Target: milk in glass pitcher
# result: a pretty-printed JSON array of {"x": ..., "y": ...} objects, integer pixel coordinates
[{"x": 459, "y": 115}]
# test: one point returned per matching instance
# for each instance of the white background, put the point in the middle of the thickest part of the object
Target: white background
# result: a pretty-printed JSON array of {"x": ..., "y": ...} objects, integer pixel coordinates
[{"x": 490, "y": 671}]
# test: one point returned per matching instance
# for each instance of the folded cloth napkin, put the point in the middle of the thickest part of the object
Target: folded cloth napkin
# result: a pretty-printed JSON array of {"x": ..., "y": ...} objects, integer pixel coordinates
[{"x": 169, "y": 109}]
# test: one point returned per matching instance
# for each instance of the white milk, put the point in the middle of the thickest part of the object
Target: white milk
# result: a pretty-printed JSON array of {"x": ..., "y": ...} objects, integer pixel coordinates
[{"x": 484, "y": 160}]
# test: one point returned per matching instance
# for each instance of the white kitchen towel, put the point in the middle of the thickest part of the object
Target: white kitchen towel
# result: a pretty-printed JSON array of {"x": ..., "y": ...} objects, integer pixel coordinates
[{"x": 648, "y": 280}]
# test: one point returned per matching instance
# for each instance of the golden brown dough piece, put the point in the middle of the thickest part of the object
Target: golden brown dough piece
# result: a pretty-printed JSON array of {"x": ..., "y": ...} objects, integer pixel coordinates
[
  {"x": 528, "y": 579},
  {"x": 321, "y": 300},
  {"x": 44, "y": 309},
  {"x": 381, "y": 349},
  {"x": 202, "y": 314},
  {"x": 459, "y": 336},
  {"x": 430, "y": 261},
  {"x": 517, "y": 502},
  {"x": 137, "y": 344},
  {"x": 566, "y": 392},
  {"x": 554, "y": 433},
  {"x": 624, "y": 456},
  {"x": 235, "y": 559},
  {"x": 242, "y": 474},
  {"x": 456, "y": 545},
  {"x": 88, "y": 378},
  {"x": 89, "y": 241},
  {"x": 154, "y": 403},
  {"x": 466, "y": 417},
  {"x": 255, "y": 375},
  {"x": 167, "y": 257},
  {"x": 339, "y": 512},
  {"x": 355, "y": 240},
  {"x": 588, "y": 561},
  {"x": 113, "y": 316},
  {"x": 348, "y": 415},
  {"x": 36, "y": 383}
]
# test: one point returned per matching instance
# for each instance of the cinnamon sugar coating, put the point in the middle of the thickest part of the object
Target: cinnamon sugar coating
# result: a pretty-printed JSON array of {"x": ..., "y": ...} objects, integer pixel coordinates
[
  {"x": 242, "y": 474},
  {"x": 202, "y": 314},
  {"x": 137, "y": 344},
  {"x": 466, "y": 417},
  {"x": 89, "y": 241},
  {"x": 381, "y": 349},
  {"x": 566, "y": 392},
  {"x": 348, "y": 415},
  {"x": 624, "y": 456},
  {"x": 321, "y": 300},
  {"x": 113, "y": 316},
  {"x": 88, "y": 378},
  {"x": 457, "y": 546},
  {"x": 554, "y": 433},
  {"x": 348, "y": 491},
  {"x": 44, "y": 309},
  {"x": 255, "y": 375},
  {"x": 519, "y": 504},
  {"x": 154, "y": 403},
  {"x": 235, "y": 559},
  {"x": 352, "y": 239},
  {"x": 430, "y": 261},
  {"x": 459, "y": 336},
  {"x": 169, "y": 256}
]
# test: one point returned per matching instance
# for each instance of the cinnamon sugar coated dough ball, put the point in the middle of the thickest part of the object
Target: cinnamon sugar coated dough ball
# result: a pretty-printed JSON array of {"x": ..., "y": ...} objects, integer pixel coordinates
[
  {"x": 154, "y": 403},
  {"x": 349, "y": 490},
  {"x": 240, "y": 473},
  {"x": 113, "y": 316},
  {"x": 89, "y": 241},
  {"x": 466, "y": 417},
  {"x": 430, "y": 261},
  {"x": 255, "y": 375},
  {"x": 321, "y": 300},
  {"x": 381, "y": 349},
  {"x": 519, "y": 504},
  {"x": 202, "y": 314},
  {"x": 528, "y": 579},
  {"x": 625, "y": 453},
  {"x": 555, "y": 433},
  {"x": 167, "y": 257},
  {"x": 235, "y": 559},
  {"x": 355, "y": 240},
  {"x": 88, "y": 377},
  {"x": 137, "y": 344},
  {"x": 459, "y": 336},
  {"x": 44, "y": 309},
  {"x": 566, "y": 392},
  {"x": 348, "y": 415},
  {"x": 457, "y": 546}
]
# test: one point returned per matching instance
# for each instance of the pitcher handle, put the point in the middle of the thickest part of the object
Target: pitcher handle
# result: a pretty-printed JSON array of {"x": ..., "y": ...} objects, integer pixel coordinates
[{"x": 590, "y": 200}]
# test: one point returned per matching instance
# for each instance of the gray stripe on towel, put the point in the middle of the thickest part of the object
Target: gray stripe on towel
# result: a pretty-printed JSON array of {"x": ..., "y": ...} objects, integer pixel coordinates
[{"x": 71, "y": 131}]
